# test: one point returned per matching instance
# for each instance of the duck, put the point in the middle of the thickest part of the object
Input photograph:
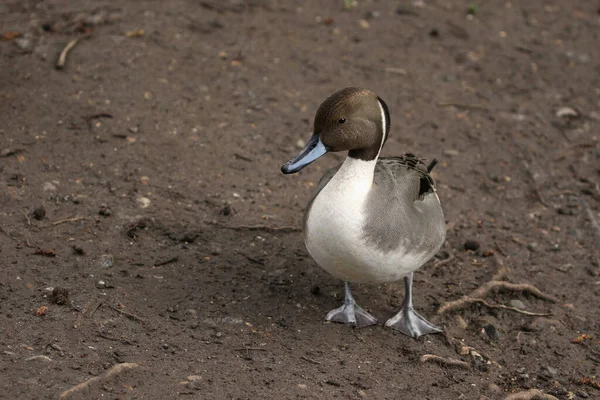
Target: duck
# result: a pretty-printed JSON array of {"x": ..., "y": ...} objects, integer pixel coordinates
[{"x": 371, "y": 219}]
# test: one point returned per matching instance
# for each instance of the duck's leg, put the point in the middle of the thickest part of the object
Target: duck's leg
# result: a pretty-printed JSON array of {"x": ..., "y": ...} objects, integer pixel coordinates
[
  {"x": 351, "y": 313},
  {"x": 408, "y": 321}
]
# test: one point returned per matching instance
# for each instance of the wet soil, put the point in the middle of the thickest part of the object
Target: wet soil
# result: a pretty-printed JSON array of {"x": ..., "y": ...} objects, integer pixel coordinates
[{"x": 144, "y": 219}]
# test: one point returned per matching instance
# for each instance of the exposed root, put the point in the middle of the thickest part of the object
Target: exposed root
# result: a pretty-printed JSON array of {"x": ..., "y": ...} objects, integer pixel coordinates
[
  {"x": 448, "y": 362},
  {"x": 494, "y": 286},
  {"x": 531, "y": 394},
  {"x": 114, "y": 370},
  {"x": 469, "y": 301}
]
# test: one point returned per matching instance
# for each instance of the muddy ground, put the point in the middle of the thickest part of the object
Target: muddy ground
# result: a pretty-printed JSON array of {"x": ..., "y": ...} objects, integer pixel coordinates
[{"x": 143, "y": 178}]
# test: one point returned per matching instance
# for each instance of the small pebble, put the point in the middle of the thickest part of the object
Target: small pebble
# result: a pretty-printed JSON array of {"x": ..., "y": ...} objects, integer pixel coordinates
[
  {"x": 552, "y": 371},
  {"x": 227, "y": 210},
  {"x": 104, "y": 210},
  {"x": 143, "y": 202},
  {"x": 107, "y": 260},
  {"x": 565, "y": 268},
  {"x": 566, "y": 112},
  {"x": 39, "y": 213},
  {"x": 189, "y": 237},
  {"x": 561, "y": 391},
  {"x": 533, "y": 246},
  {"x": 516, "y": 303},
  {"x": 472, "y": 245},
  {"x": 60, "y": 295},
  {"x": 300, "y": 143},
  {"x": 491, "y": 332},
  {"x": 24, "y": 43},
  {"x": 78, "y": 250},
  {"x": 49, "y": 187},
  {"x": 364, "y": 24},
  {"x": 566, "y": 211}
]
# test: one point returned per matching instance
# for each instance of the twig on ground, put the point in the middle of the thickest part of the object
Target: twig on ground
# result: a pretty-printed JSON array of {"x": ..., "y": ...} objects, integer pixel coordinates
[
  {"x": 26, "y": 214},
  {"x": 114, "y": 370},
  {"x": 250, "y": 349},
  {"x": 310, "y": 360},
  {"x": 167, "y": 261},
  {"x": 44, "y": 252},
  {"x": 62, "y": 58},
  {"x": 531, "y": 394},
  {"x": 125, "y": 313},
  {"x": 62, "y": 221},
  {"x": 500, "y": 249},
  {"x": 242, "y": 157},
  {"x": 256, "y": 227},
  {"x": 463, "y": 105},
  {"x": 449, "y": 362},
  {"x": 252, "y": 259}
]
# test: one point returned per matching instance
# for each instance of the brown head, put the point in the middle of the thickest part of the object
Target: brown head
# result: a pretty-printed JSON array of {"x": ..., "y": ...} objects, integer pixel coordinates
[{"x": 353, "y": 120}]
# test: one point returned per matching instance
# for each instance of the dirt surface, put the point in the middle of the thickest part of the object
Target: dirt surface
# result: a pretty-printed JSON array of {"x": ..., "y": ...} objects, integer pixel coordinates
[{"x": 141, "y": 183}]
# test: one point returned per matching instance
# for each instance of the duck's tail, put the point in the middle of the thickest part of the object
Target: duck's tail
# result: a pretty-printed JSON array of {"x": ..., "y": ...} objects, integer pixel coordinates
[{"x": 432, "y": 164}]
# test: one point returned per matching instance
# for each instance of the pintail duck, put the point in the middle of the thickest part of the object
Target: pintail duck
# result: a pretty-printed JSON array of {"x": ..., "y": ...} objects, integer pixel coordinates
[{"x": 371, "y": 219}]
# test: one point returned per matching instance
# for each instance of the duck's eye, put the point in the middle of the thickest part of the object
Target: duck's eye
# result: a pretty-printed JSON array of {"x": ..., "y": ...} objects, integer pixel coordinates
[{"x": 342, "y": 120}]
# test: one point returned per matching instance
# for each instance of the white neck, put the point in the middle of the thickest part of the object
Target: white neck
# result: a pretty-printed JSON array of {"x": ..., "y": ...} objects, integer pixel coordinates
[
  {"x": 356, "y": 172},
  {"x": 360, "y": 171}
]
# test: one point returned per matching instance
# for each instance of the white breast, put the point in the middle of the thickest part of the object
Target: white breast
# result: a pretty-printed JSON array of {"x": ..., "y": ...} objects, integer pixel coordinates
[{"x": 334, "y": 231}]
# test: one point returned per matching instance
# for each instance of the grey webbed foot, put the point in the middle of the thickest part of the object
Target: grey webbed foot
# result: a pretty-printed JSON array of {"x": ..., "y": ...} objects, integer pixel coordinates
[
  {"x": 351, "y": 313},
  {"x": 408, "y": 321},
  {"x": 411, "y": 324}
]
